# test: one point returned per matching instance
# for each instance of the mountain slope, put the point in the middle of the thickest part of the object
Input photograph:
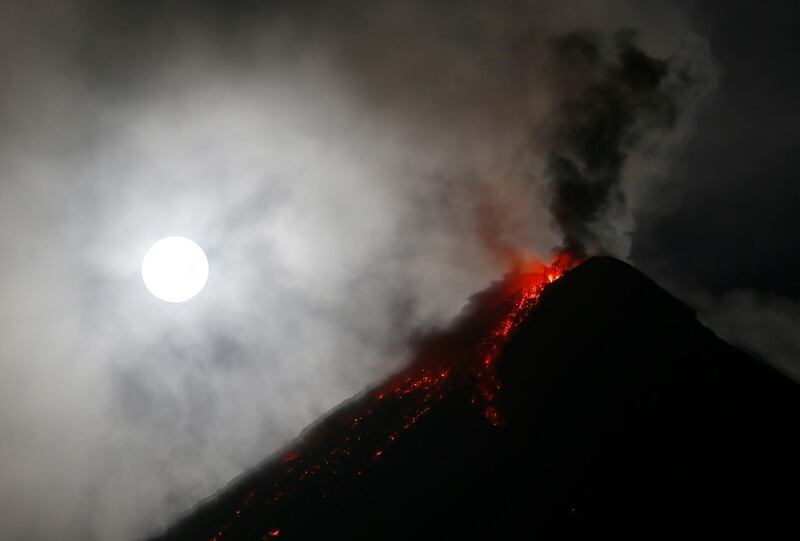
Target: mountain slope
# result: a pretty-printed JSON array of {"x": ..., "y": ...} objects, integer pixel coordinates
[{"x": 609, "y": 409}]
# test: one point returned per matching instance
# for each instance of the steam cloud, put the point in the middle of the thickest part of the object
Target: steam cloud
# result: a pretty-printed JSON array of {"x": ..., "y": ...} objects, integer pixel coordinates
[{"x": 354, "y": 170}]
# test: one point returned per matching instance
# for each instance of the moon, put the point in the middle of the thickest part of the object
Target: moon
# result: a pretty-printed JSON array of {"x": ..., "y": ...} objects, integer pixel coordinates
[{"x": 175, "y": 269}]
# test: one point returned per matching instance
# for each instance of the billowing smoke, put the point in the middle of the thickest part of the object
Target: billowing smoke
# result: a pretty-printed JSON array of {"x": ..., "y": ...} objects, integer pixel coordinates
[
  {"x": 614, "y": 107},
  {"x": 354, "y": 170}
]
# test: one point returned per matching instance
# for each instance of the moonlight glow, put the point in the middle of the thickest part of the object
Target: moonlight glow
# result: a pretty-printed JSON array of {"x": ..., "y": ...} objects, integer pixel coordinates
[{"x": 175, "y": 269}]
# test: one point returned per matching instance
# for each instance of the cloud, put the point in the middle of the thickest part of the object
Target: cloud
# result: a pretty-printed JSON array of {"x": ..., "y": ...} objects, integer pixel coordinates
[
  {"x": 763, "y": 324},
  {"x": 354, "y": 171}
]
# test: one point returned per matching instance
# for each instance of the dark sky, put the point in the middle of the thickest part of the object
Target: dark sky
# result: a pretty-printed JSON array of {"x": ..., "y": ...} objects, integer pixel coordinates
[
  {"x": 355, "y": 171},
  {"x": 732, "y": 209}
]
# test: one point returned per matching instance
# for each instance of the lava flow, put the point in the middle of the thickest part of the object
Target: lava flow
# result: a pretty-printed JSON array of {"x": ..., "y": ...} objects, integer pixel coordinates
[
  {"x": 522, "y": 292},
  {"x": 462, "y": 355}
]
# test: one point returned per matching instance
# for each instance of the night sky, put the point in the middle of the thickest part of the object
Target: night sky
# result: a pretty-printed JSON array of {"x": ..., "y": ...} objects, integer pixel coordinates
[
  {"x": 354, "y": 171},
  {"x": 722, "y": 238},
  {"x": 731, "y": 198}
]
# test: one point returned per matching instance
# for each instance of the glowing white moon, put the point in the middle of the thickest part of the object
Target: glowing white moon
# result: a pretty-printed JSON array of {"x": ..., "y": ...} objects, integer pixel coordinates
[{"x": 175, "y": 269}]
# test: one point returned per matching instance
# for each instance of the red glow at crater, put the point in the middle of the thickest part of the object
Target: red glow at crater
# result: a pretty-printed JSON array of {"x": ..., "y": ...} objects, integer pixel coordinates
[{"x": 464, "y": 355}]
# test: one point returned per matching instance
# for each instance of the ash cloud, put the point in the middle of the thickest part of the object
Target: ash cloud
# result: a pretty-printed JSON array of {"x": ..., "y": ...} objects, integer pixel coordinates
[
  {"x": 626, "y": 101},
  {"x": 354, "y": 171}
]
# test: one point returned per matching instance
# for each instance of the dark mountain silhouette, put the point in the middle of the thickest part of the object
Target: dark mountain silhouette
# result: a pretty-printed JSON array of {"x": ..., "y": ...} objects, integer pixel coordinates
[{"x": 617, "y": 413}]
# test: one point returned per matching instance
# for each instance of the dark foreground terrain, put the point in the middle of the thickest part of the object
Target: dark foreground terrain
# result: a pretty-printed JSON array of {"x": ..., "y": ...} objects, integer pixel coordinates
[{"x": 617, "y": 413}]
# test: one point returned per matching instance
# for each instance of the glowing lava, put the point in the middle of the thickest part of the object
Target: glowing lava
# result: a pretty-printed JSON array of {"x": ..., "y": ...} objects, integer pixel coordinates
[
  {"x": 450, "y": 359},
  {"x": 523, "y": 293}
]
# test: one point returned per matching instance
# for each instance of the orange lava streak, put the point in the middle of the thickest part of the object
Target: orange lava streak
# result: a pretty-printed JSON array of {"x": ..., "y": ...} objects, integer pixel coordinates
[
  {"x": 236, "y": 514},
  {"x": 525, "y": 289},
  {"x": 426, "y": 382}
]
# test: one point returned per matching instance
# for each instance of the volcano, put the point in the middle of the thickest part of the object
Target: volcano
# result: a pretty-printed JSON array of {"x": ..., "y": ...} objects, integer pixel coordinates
[{"x": 563, "y": 402}]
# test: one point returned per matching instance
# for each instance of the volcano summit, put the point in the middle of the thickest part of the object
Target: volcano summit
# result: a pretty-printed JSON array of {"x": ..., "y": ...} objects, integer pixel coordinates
[{"x": 562, "y": 402}]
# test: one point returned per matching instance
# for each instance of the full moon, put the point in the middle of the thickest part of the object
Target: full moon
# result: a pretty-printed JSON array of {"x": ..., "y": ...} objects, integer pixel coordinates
[{"x": 175, "y": 269}]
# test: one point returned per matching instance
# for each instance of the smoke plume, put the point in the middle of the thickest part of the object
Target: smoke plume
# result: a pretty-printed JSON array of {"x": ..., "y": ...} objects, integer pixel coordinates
[{"x": 617, "y": 106}]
